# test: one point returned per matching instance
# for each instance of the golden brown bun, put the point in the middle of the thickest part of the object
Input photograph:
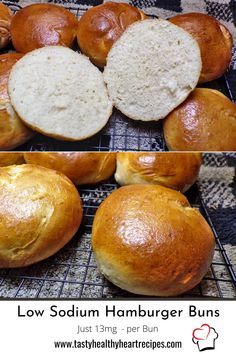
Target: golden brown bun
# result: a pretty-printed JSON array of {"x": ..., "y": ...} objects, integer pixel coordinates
[
  {"x": 174, "y": 170},
  {"x": 5, "y": 22},
  {"x": 148, "y": 240},
  {"x": 80, "y": 167},
  {"x": 12, "y": 131},
  {"x": 40, "y": 25},
  {"x": 40, "y": 211},
  {"x": 206, "y": 121},
  {"x": 102, "y": 25},
  {"x": 214, "y": 39},
  {"x": 11, "y": 158}
]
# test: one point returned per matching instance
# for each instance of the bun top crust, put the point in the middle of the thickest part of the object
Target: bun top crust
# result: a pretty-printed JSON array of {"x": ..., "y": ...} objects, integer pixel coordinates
[
  {"x": 11, "y": 158},
  {"x": 5, "y": 21},
  {"x": 174, "y": 170},
  {"x": 214, "y": 39},
  {"x": 42, "y": 25},
  {"x": 148, "y": 240},
  {"x": 102, "y": 25},
  {"x": 40, "y": 211},
  {"x": 80, "y": 167},
  {"x": 206, "y": 121}
]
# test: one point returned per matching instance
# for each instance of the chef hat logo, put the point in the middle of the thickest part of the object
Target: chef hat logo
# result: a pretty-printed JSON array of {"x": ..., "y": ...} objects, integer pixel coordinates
[{"x": 205, "y": 337}]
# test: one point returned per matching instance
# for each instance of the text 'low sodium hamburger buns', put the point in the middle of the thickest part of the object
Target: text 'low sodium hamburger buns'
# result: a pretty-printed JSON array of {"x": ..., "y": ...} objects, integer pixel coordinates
[
  {"x": 59, "y": 93},
  {"x": 12, "y": 130},
  {"x": 206, "y": 121},
  {"x": 174, "y": 170},
  {"x": 214, "y": 39},
  {"x": 11, "y": 158},
  {"x": 151, "y": 69},
  {"x": 80, "y": 167},
  {"x": 40, "y": 25},
  {"x": 102, "y": 25},
  {"x": 149, "y": 241},
  {"x": 40, "y": 211},
  {"x": 5, "y": 22}
]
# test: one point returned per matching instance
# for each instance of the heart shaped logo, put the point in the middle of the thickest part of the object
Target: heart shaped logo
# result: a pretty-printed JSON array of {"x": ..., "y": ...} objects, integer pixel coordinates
[{"x": 202, "y": 333}]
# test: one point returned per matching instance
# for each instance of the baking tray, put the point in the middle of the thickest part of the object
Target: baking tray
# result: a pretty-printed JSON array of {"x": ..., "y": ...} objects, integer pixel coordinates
[
  {"x": 72, "y": 272},
  {"x": 122, "y": 133}
]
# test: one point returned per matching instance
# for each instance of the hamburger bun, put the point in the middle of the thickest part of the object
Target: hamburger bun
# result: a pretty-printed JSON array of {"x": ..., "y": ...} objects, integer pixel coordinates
[
  {"x": 11, "y": 158},
  {"x": 5, "y": 22},
  {"x": 148, "y": 240},
  {"x": 12, "y": 130},
  {"x": 206, "y": 121},
  {"x": 59, "y": 93},
  {"x": 40, "y": 211},
  {"x": 151, "y": 69},
  {"x": 174, "y": 170},
  {"x": 41, "y": 25},
  {"x": 81, "y": 167},
  {"x": 214, "y": 39},
  {"x": 102, "y": 25}
]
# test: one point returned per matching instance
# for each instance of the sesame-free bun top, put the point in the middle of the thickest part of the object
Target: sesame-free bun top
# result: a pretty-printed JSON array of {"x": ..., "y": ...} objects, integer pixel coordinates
[
  {"x": 214, "y": 39},
  {"x": 206, "y": 121},
  {"x": 40, "y": 211},
  {"x": 151, "y": 69},
  {"x": 102, "y": 25},
  {"x": 174, "y": 170},
  {"x": 40, "y": 25},
  {"x": 5, "y": 22},
  {"x": 11, "y": 158},
  {"x": 12, "y": 130},
  {"x": 60, "y": 93},
  {"x": 80, "y": 167},
  {"x": 148, "y": 240}
]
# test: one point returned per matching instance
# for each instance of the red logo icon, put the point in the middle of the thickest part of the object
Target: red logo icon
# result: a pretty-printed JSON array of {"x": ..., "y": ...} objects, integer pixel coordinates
[{"x": 205, "y": 337}]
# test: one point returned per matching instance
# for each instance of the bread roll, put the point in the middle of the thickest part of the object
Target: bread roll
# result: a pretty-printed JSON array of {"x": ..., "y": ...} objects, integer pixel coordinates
[
  {"x": 11, "y": 158},
  {"x": 59, "y": 93},
  {"x": 80, "y": 167},
  {"x": 149, "y": 241},
  {"x": 5, "y": 21},
  {"x": 151, "y": 69},
  {"x": 102, "y": 25},
  {"x": 12, "y": 131},
  {"x": 214, "y": 39},
  {"x": 40, "y": 211},
  {"x": 206, "y": 121},
  {"x": 174, "y": 170},
  {"x": 40, "y": 25}
]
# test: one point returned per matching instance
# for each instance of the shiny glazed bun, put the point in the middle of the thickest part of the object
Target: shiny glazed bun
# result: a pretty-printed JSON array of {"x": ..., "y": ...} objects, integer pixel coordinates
[
  {"x": 11, "y": 158},
  {"x": 214, "y": 39},
  {"x": 206, "y": 121},
  {"x": 148, "y": 240},
  {"x": 5, "y": 22},
  {"x": 41, "y": 25},
  {"x": 102, "y": 25},
  {"x": 40, "y": 211},
  {"x": 80, "y": 167},
  {"x": 12, "y": 131},
  {"x": 174, "y": 170}
]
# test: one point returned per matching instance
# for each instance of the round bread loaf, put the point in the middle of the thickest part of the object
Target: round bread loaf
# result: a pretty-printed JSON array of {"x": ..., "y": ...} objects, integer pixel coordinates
[
  {"x": 149, "y": 241},
  {"x": 59, "y": 93},
  {"x": 80, "y": 167},
  {"x": 12, "y": 131},
  {"x": 214, "y": 39},
  {"x": 5, "y": 22},
  {"x": 206, "y": 121},
  {"x": 41, "y": 25},
  {"x": 102, "y": 25},
  {"x": 11, "y": 158},
  {"x": 151, "y": 69},
  {"x": 174, "y": 170},
  {"x": 40, "y": 211}
]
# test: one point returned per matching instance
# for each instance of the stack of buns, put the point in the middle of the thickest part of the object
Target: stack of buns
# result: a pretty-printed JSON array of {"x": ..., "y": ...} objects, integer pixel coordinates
[
  {"x": 151, "y": 68},
  {"x": 5, "y": 22}
]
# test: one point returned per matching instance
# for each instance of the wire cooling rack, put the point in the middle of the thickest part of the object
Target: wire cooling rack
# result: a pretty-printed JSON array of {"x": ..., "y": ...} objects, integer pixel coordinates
[
  {"x": 72, "y": 272},
  {"x": 121, "y": 133}
]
